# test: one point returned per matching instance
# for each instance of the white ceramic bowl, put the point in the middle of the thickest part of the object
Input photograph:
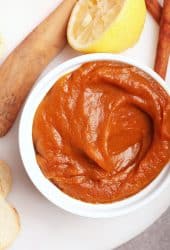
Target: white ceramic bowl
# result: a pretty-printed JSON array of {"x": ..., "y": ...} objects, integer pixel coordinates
[{"x": 50, "y": 191}]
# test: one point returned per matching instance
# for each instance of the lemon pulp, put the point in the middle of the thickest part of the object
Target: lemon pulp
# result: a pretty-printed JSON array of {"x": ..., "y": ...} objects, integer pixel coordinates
[{"x": 106, "y": 25}]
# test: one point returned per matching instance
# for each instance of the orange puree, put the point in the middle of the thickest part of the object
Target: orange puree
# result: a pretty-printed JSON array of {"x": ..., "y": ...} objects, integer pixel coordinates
[{"x": 102, "y": 133}]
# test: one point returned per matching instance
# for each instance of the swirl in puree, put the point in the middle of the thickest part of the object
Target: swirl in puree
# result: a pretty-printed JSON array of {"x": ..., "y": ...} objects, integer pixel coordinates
[{"x": 102, "y": 133}]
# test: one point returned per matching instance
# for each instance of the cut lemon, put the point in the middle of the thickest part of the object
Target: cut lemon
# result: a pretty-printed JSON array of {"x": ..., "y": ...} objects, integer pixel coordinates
[{"x": 106, "y": 25}]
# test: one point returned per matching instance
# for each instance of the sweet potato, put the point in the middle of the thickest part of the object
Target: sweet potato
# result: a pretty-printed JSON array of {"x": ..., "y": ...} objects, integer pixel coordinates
[{"x": 24, "y": 65}]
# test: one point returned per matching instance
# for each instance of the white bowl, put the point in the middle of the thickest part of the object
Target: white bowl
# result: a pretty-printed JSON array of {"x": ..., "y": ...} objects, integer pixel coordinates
[{"x": 48, "y": 189}]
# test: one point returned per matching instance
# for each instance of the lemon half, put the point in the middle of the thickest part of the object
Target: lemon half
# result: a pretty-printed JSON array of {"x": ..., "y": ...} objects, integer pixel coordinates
[{"x": 106, "y": 25}]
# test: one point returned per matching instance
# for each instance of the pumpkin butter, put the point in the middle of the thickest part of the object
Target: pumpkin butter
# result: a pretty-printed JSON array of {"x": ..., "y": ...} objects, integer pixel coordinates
[{"x": 102, "y": 133}]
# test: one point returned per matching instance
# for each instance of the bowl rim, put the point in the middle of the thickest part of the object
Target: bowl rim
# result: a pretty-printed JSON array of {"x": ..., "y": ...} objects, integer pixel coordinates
[{"x": 49, "y": 190}]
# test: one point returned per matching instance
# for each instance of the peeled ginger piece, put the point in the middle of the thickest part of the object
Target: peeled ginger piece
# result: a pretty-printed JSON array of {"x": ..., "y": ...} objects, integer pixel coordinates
[{"x": 9, "y": 224}]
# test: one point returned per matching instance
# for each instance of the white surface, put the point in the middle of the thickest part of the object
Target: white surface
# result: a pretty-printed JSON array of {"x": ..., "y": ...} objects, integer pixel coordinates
[
  {"x": 48, "y": 189},
  {"x": 45, "y": 226}
]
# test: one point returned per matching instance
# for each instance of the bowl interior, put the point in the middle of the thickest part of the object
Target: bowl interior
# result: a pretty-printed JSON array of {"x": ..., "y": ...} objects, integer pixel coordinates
[{"x": 49, "y": 190}]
